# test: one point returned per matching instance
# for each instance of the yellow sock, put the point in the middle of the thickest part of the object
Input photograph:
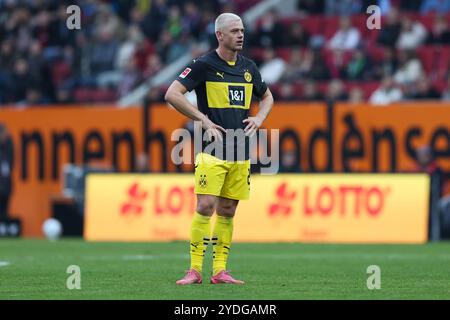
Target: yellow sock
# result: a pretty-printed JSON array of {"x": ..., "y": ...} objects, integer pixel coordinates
[
  {"x": 200, "y": 231},
  {"x": 221, "y": 240}
]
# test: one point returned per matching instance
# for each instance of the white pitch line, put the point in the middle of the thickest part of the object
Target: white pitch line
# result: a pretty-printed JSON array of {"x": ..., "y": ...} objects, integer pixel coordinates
[
  {"x": 314, "y": 256},
  {"x": 4, "y": 263},
  {"x": 138, "y": 257}
]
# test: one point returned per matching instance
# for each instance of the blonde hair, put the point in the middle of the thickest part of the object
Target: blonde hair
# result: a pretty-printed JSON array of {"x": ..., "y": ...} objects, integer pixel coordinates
[{"x": 223, "y": 19}]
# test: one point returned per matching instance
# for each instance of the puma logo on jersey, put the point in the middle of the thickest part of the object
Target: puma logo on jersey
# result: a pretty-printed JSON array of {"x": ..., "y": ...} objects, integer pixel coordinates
[{"x": 219, "y": 74}]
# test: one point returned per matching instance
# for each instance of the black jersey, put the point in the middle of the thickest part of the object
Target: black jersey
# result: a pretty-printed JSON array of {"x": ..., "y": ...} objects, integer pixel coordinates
[{"x": 224, "y": 92}]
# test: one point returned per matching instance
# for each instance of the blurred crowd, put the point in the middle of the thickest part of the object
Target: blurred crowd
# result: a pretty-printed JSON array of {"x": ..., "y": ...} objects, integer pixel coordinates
[
  {"x": 120, "y": 44},
  {"x": 322, "y": 51},
  {"x": 327, "y": 52}
]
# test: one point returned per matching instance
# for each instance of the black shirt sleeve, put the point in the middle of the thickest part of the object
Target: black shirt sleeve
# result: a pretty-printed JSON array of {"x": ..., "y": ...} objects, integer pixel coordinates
[
  {"x": 259, "y": 86},
  {"x": 193, "y": 75}
]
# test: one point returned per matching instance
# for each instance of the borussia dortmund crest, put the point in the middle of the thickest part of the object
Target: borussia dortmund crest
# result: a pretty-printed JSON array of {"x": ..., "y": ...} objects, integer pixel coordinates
[
  {"x": 247, "y": 76},
  {"x": 202, "y": 182}
]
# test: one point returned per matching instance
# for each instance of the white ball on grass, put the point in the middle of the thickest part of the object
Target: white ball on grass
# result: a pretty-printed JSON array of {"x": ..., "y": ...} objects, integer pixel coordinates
[{"x": 52, "y": 229}]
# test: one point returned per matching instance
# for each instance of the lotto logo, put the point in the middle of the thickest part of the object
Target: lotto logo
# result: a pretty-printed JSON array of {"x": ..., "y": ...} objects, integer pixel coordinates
[{"x": 185, "y": 73}]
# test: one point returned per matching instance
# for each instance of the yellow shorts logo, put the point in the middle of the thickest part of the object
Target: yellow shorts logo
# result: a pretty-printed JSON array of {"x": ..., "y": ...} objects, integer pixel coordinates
[
  {"x": 202, "y": 182},
  {"x": 247, "y": 76}
]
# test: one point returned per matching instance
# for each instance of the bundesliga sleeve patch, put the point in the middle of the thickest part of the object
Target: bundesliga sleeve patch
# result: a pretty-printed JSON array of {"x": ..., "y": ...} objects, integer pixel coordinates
[{"x": 185, "y": 73}]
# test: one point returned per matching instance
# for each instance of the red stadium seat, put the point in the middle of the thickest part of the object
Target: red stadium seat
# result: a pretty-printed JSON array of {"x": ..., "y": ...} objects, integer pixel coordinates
[
  {"x": 256, "y": 53},
  {"x": 443, "y": 62},
  {"x": 371, "y": 35},
  {"x": 414, "y": 16},
  {"x": 369, "y": 87},
  {"x": 330, "y": 26},
  {"x": 322, "y": 86},
  {"x": 91, "y": 95},
  {"x": 163, "y": 88},
  {"x": 328, "y": 56},
  {"x": 298, "y": 90},
  {"x": 243, "y": 5},
  {"x": 439, "y": 85},
  {"x": 275, "y": 89},
  {"x": 284, "y": 53},
  {"x": 427, "y": 56},
  {"x": 83, "y": 95},
  {"x": 368, "y": 36},
  {"x": 60, "y": 72},
  {"x": 395, "y": 3},
  {"x": 375, "y": 52},
  {"x": 104, "y": 95},
  {"x": 312, "y": 24},
  {"x": 427, "y": 20},
  {"x": 359, "y": 21}
]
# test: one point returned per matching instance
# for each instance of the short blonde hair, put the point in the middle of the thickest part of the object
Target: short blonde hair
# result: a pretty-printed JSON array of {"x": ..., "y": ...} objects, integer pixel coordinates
[{"x": 223, "y": 19}]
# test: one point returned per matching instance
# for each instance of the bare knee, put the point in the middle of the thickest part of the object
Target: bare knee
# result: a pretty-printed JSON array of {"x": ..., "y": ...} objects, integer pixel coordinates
[
  {"x": 227, "y": 207},
  {"x": 206, "y": 205},
  {"x": 228, "y": 212}
]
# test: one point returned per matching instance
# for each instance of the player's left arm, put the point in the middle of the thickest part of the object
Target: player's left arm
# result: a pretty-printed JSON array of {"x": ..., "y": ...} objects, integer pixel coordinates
[{"x": 265, "y": 106}]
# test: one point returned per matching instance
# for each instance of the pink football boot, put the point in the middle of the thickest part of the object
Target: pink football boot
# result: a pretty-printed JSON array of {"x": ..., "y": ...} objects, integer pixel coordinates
[
  {"x": 225, "y": 277},
  {"x": 192, "y": 277}
]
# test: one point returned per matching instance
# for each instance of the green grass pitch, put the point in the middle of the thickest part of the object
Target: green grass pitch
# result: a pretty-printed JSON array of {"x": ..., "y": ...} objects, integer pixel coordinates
[{"x": 36, "y": 269}]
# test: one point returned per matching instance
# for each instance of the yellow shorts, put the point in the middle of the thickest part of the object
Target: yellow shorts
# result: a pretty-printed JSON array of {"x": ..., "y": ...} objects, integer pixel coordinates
[{"x": 222, "y": 178}]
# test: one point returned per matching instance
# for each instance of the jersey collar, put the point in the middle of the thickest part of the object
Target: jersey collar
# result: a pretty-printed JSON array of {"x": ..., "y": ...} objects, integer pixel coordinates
[{"x": 238, "y": 60}]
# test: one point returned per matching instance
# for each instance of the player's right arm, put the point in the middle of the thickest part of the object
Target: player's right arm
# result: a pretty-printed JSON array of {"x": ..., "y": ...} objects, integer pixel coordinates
[{"x": 175, "y": 97}]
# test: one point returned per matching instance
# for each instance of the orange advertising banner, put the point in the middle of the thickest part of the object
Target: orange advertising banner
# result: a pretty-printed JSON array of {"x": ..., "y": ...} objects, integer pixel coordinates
[
  {"x": 384, "y": 139},
  {"x": 46, "y": 138},
  {"x": 334, "y": 208},
  {"x": 358, "y": 138}
]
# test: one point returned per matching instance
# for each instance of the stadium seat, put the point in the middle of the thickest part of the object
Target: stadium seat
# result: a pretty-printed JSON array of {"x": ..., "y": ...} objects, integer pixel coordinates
[
  {"x": 370, "y": 36},
  {"x": 443, "y": 62},
  {"x": 427, "y": 20},
  {"x": 83, "y": 95},
  {"x": 330, "y": 26},
  {"x": 439, "y": 85},
  {"x": 284, "y": 53},
  {"x": 374, "y": 52},
  {"x": 414, "y": 16},
  {"x": 395, "y": 3},
  {"x": 359, "y": 21},
  {"x": 328, "y": 56},
  {"x": 369, "y": 87},
  {"x": 427, "y": 56},
  {"x": 91, "y": 95},
  {"x": 312, "y": 24},
  {"x": 322, "y": 86},
  {"x": 60, "y": 71},
  {"x": 243, "y": 5},
  {"x": 104, "y": 95},
  {"x": 256, "y": 53},
  {"x": 298, "y": 90}
]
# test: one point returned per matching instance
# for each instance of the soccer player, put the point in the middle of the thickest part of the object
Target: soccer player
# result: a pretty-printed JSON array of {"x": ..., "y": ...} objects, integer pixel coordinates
[{"x": 224, "y": 82}]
